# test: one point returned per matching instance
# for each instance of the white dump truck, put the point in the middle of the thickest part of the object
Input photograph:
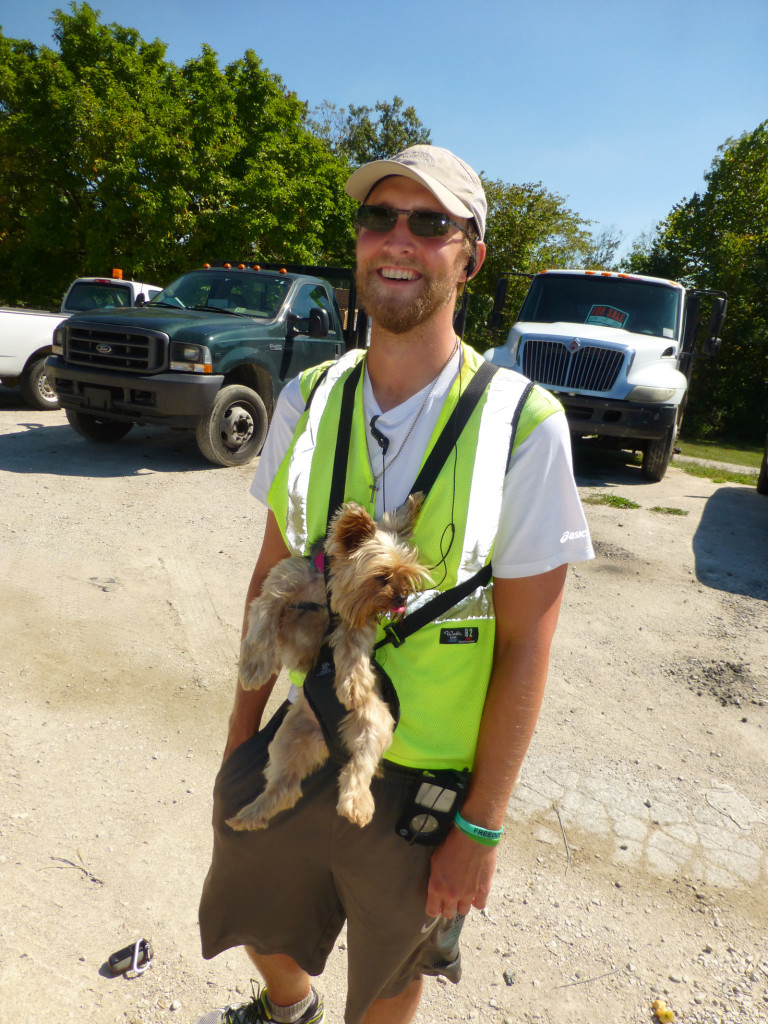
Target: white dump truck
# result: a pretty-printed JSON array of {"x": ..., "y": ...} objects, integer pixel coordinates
[
  {"x": 26, "y": 334},
  {"x": 617, "y": 350}
]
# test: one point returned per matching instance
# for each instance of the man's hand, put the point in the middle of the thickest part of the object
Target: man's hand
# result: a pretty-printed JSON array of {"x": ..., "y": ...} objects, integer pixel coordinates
[
  {"x": 460, "y": 877},
  {"x": 246, "y": 715}
]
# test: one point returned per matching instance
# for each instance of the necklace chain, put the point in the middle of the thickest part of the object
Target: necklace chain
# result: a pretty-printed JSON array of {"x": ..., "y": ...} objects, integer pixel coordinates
[{"x": 386, "y": 465}]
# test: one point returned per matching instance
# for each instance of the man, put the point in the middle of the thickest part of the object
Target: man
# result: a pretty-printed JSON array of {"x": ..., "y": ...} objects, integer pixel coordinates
[{"x": 469, "y": 683}]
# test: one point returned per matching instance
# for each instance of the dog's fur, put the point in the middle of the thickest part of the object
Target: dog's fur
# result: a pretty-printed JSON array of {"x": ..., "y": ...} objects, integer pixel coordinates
[{"x": 372, "y": 569}]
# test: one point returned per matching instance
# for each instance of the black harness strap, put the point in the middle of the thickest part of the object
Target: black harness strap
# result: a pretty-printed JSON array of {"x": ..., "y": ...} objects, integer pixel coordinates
[
  {"x": 396, "y": 633},
  {"x": 341, "y": 455},
  {"x": 453, "y": 428},
  {"x": 315, "y": 386}
]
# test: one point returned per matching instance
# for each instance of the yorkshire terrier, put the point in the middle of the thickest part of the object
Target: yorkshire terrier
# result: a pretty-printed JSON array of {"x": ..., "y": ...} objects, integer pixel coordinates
[{"x": 372, "y": 569}]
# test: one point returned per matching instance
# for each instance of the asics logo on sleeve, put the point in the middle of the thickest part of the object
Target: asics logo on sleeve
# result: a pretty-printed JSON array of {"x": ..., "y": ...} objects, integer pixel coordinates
[{"x": 572, "y": 536}]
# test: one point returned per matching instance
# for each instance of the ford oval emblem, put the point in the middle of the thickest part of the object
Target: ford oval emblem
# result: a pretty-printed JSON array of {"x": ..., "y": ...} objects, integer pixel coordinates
[{"x": 104, "y": 350}]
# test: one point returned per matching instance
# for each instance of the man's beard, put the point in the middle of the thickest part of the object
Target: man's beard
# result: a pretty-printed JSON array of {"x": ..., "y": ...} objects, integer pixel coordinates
[{"x": 392, "y": 312}]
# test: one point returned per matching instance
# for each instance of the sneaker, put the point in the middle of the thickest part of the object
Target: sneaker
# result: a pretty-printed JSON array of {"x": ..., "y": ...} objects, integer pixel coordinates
[{"x": 256, "y": 1012}]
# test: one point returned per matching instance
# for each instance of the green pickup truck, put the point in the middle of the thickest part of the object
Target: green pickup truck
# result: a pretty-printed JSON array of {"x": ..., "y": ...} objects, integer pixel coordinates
[{"x": 211, "y": 352}]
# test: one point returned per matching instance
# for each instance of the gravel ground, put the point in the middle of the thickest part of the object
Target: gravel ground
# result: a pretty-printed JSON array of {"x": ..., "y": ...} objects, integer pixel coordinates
[{"x": 635, "y": 860}]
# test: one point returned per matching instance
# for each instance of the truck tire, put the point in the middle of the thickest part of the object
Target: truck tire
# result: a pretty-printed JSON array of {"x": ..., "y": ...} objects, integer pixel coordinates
[
  {"x": 234, "y": 430},
  {"x": 35, "y": 387},
  {"x": 93, "y": 428},
  {"x": 656, "y": 455},
  {"x": 762, "y": 479}
]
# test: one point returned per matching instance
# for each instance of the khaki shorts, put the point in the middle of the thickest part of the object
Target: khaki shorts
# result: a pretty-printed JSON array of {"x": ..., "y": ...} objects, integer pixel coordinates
[{"x": 290, "y": 888}]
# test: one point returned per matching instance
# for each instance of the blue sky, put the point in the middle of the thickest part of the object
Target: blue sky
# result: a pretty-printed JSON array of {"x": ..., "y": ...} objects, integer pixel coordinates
[{"x": 619, "y": 106}]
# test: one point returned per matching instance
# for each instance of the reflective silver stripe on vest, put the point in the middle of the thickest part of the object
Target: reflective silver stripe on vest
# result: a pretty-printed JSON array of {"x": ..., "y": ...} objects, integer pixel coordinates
[
  {"x": 303, "y": 451},
  {"x": 484, "y": 509}
]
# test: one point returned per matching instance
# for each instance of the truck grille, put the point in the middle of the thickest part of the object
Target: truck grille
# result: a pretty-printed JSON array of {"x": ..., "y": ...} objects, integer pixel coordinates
[
  {"x": 586, "y": 368},
  {"x": 115, "y": 348}
]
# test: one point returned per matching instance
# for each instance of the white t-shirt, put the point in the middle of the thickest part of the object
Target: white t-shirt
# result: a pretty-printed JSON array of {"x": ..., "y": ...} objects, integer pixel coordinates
[{"x": 542, "y": 523}]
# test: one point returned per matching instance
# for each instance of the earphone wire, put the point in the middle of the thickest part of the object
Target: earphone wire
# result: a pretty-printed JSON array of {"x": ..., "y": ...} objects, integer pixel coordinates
[{"x": 451, "y": 525}]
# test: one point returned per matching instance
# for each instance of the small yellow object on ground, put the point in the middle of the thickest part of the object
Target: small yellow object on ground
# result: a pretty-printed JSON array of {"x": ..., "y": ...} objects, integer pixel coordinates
[{"x": 663, "y": 1014}]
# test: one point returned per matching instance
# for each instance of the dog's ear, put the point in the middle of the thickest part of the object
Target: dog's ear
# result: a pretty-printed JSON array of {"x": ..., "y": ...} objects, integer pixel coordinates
[
  {"x": 351, "y": 526},
  {"x": 403, "y": 519}
]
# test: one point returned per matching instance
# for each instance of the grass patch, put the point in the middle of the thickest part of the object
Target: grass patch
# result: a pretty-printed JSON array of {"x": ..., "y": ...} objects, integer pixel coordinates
[
  {"x": 609, "y": 499},
  {"x": 717, "y": 476},
  {"x": 722, "y": 451},
  {"x": 667, "y": 510}
]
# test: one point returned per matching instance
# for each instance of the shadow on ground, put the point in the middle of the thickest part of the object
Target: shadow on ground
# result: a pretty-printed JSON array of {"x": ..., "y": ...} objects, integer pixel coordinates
[
  {"x": 42, "y": 443},
  {"x": 730, "y": 545}
]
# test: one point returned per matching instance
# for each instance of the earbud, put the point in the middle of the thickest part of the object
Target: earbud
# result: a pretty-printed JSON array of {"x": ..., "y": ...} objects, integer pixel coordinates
[{"x": 381, "y": 439}]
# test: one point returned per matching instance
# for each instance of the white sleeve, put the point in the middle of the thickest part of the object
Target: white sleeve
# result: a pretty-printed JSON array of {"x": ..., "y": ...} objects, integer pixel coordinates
[
  {"x": 290, "y": 406},
  {"x": 542, "y": 521}
]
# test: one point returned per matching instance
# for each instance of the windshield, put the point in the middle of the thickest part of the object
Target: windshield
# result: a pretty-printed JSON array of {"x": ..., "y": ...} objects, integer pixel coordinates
[
  {"x": 249, "y": 293},
  {"x": 98, "y": 295},
  {"x": 631, "y": 305}
]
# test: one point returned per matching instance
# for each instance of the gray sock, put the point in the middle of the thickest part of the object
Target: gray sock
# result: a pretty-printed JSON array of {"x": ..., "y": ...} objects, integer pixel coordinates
[{"x": 290, "y": 1014}]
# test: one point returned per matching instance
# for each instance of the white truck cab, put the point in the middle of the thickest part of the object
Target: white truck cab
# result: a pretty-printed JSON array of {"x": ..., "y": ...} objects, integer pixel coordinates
[
  {"x": 617, "y": 349},
  {"x": 26, "y": 334}
]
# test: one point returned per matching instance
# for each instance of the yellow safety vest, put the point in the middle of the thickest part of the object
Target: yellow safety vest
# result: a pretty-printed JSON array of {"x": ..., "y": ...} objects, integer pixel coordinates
[{"x": 441, "y": 672}]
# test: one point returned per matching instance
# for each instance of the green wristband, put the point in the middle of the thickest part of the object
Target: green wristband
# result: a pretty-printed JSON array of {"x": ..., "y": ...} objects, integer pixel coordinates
[{"x": 486, "y": 836}]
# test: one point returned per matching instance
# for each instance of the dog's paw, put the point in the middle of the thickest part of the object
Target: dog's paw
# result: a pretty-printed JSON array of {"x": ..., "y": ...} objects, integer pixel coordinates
[
  {"x": 245, "y": 822},
  {"x": 255, "y": 670},
  {"x": 355, "y": 690},
  {"x": 357, "y": 809}
]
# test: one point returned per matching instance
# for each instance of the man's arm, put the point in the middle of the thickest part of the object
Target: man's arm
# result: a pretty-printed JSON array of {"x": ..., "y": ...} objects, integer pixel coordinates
[
  {"x": 526, "y": 616},
  {"x": 249, "y": 705}
]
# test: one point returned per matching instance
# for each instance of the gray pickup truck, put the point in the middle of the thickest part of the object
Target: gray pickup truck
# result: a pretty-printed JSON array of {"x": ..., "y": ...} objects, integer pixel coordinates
[{"x": 211, "y": 352}]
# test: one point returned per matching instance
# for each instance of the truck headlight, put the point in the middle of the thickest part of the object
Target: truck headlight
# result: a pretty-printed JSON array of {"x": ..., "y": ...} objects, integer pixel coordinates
[
  {"x": 646, "y": 394},
  {"x": 57, "y": 345},
  {"x": 191, "y": 358}
]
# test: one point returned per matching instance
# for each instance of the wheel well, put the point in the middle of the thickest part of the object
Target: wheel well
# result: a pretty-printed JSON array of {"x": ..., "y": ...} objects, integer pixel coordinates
[
  {"x": 256, "y": 378},
  {"x": 46, "y": 350}
]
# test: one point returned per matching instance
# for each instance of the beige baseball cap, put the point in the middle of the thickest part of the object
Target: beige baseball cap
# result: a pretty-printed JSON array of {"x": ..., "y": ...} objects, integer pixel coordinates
[{"x": 452, "y": 182}]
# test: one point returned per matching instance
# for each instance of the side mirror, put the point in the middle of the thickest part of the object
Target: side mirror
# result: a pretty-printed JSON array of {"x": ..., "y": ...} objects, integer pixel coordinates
[
  {"x": 319, "y": 323},
  {"x": 496, "y": 319},
  {"x": 712, "y": 343},
  {"x": 141, "y": 299}
]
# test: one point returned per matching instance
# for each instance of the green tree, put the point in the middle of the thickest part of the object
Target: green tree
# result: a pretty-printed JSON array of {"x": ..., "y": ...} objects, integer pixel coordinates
[
  {"x": 361, "y": 134},
  {"x": 718, "y": 239},
  {"x": 112, "y": 156}
]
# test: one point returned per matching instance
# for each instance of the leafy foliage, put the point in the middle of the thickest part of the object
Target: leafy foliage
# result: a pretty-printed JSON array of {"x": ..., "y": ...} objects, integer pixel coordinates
[
  {"x": 360, "y": 137},
  {"x": 112, "y": 156},
  {"x": 719, "y": 240}
]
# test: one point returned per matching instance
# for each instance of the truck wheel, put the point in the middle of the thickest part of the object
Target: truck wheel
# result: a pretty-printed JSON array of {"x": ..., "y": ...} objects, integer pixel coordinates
[
  {"x": 233, "y": 432},
  {"x": 36, "y": 389},
  {"x": 93, "y": 428},
  {"x": 656, "y": 456}
]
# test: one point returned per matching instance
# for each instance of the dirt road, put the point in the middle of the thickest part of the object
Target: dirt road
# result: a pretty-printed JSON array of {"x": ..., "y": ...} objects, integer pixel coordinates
[{"x": 635, "y": 860}]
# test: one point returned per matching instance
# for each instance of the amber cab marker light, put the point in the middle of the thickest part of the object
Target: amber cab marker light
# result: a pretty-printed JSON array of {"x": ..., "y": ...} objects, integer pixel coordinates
[{"x": 117, "y": 274}]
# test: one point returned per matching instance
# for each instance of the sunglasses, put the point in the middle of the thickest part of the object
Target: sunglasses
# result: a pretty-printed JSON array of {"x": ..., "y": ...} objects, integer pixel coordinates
[{"x": 423, "y": 223}]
